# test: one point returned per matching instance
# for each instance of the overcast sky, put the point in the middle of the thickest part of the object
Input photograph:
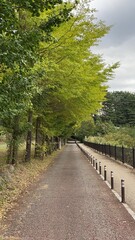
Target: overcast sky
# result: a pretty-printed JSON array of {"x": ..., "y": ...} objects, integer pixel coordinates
[{"x": 119, "y": 44}]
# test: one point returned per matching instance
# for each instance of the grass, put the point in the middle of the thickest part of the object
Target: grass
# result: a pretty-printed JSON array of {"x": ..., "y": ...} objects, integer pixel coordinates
[
  {"x": 3, "y": 153},
  {"x": 3, "y": 146},
  {"x": 3, "y": 150}
]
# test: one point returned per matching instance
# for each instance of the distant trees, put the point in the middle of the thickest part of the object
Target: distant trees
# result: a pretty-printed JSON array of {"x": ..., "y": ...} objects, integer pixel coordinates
[
  {"x": 119, "y": 108},
  {"x": 114, "y": 123},
  {"x": 86, "y": 129}
]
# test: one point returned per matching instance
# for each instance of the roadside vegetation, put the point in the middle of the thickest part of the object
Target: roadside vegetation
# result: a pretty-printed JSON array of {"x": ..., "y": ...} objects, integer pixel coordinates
[
  {"x": 15, "y": 180},
  {"x": 114, "y": 124},
  {"x": 119, "y": 136}
]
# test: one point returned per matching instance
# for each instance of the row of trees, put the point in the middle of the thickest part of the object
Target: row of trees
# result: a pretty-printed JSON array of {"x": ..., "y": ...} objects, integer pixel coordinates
[{"x": 50, "y": 81}]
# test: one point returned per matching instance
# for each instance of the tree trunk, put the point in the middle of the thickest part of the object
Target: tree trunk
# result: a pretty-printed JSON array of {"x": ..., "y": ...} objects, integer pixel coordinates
[
  {"x": 9, "y": 146},
  {"x": 29, "y": 139},
  {"x": 53, "y": 144},
  {"x": 13, "y": 142},
  {"x": 49, "y": 151},
  {"x": 59, "y": 143},
  {"x": 38, "y": 137}
]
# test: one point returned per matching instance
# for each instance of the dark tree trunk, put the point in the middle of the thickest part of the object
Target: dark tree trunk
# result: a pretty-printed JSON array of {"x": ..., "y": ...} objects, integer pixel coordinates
[
  {"x": 38, "y": 138},
  {"x": 49, "y": 150},
  {"x": 29, "y": 139},
  {"x": 13, "y": 142},
  {"x": 56, "y": 143},
  {"x": 15, "y": 139},
  {"x": 10, "y": 147},
  {"x": 53, "y": 144}
]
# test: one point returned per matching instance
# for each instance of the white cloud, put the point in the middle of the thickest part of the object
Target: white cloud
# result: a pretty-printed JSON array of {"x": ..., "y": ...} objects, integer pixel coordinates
[{"x": 119, "y": 44}]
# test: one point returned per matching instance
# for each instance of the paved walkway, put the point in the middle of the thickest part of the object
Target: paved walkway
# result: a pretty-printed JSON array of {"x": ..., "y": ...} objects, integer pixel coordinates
[
  {"x": 69, "y": 202},
  {"x": 120, "y": 171}
]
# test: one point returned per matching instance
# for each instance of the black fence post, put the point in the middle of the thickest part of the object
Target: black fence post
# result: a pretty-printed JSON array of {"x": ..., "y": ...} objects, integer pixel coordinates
[
  {"x": 91, "y": 159},
  {"x": 112, "y": 180},
  {"x": 96, "y": 165},
  {"x": 109, "y": 150},
  {"x": 104, "y": 173},
  {"x": 133, "y": 158},
  {"x": 105, "y": 148},
  {"x": 102, "y": 148},
  {"x": 93, "y": 162},
  {"x": 123, "y": 154},
  {"x": 122, "y": 191},
  {"x": 100, "y": 168},
  {"x": 115, "y": 149}
]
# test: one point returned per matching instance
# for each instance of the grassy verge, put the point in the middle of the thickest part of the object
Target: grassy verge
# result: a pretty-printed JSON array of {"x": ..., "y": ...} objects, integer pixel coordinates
[{"x": 18, "y": 179}]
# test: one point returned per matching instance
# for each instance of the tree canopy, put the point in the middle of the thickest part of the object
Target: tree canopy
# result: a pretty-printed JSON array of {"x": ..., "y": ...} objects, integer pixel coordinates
[{"x": 47, "y": 68}]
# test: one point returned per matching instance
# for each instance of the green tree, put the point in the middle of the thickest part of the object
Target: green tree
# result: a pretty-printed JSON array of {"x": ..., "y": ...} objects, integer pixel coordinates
[
  {"x": 48, "y": 71},
  {"x": 85, "y": 130},
  {"x": 72, "y": 88},
  {"x": 22, "y": 31},
  {"x": 119, "y": 108}
]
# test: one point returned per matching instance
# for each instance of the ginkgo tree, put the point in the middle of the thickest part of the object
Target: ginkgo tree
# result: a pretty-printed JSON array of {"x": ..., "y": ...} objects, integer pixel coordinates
[
  {"x": 21, "y": 33},
  {"x": 48, "y": 71},
  {"x": 73, "y": 86}
]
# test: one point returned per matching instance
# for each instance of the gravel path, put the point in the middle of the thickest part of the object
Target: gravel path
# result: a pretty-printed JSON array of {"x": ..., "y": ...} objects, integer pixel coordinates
[{"x": 70, "y": 202}]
